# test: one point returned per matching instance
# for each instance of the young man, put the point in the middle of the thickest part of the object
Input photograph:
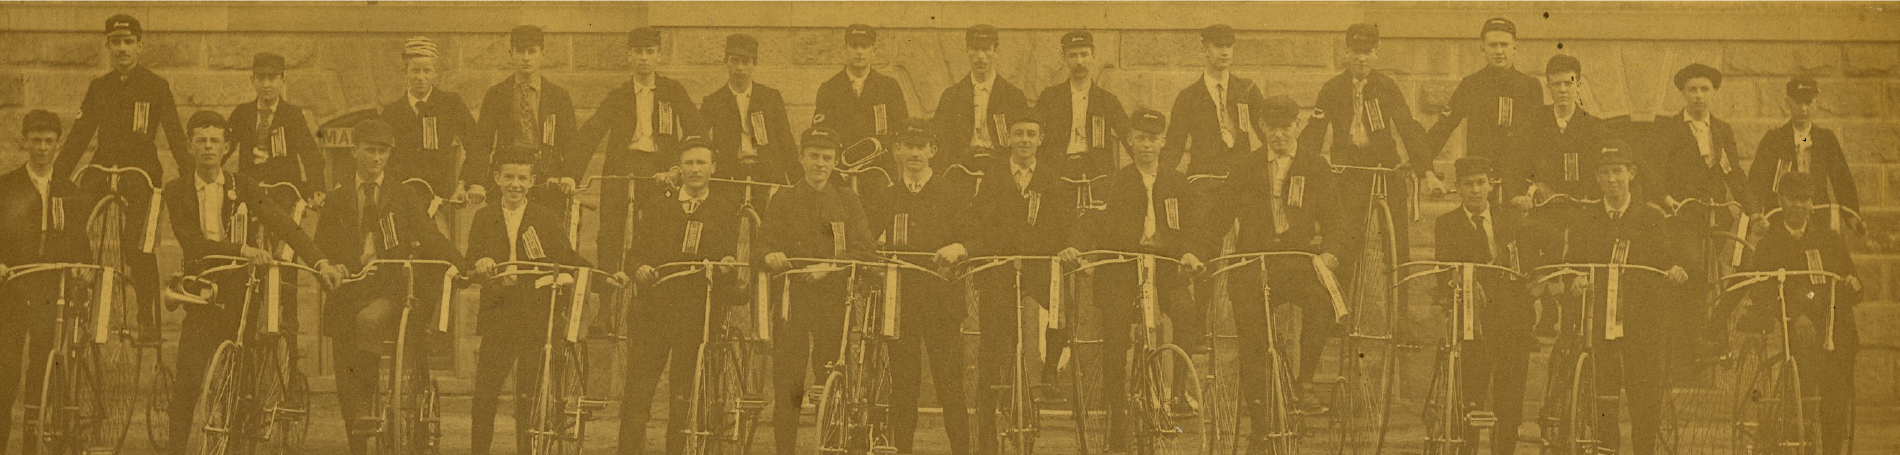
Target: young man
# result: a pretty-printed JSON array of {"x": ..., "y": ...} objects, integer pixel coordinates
[
  {"x": 1800, "y": 146},
  {"x": 1697, "y": 159},
  {"x": 814, "y": 219},
  {"x": 432, "y": 127},
  {"x": 1020, "y": 209},
  {"x": 1148, "y": 210},
  {"x": 1085, "y": 123},
  {"x": 1795, "y": 242},
  {"x": 214, "y": 212},
  {"x": 126, "y": 109},
  {"x": 528, "y": 113},
  {"x": 1284, "y": 199},
  {"x": 972, "y": 122},
  {"x": 1622, "y": 229},
  {"x": 1497, "y": 350},
  {"x": 371, "y": 216},
  {"x": 41, "y": 216},
  {"x": 1559, "y": 141},
  {"x": 1492, "y": 99},
  {"x": 513, "y": 317},
  {"x": 860, "y": 102},
  {"x": 1213, "y": 117},
  {"x": 922, "y": 211},
  {"x": 693, "y": 223},
  {"x": 746, "y": 120},
  {"x": 642, "y": 122},
  {"x": 271, "y": 137}
]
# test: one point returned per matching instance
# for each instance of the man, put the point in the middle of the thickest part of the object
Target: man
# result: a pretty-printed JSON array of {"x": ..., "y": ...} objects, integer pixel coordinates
[
  {"x": 126, "y": 109},
  {"x": 642, "y": 122},
  {"x": 41, "y": 216},
  {"x": 513, "y": 318},
  {"x": 814, "y": 219},
  {"x": 1019, "y": 210},
  {"x": 1283, "y": 199},
  {"x": 1213, "y": 117},
  {"x": 1826, "y": 352},
  {"x": 271, "y": 137},
  {"x": 922, "y": 211},
  {"x": 1621, "y": 229},
  {"x": 370, "y": 217},
  {"x": 529, "y": 113},
  {"x": 1147, "y": 210},
  {"x": 1491, "y": 100},
  {"x": 214, "y": 212},
  {"x": 1497, "y": 348},
  {"x": 693, "y": 223},
  {"x": 860, "y": 102},
  {"x": 433, "y": 128},
  {"x": 1559, "y": 141},
  {"x": 745, "y": 120},
  {"x": 1800, "y": 146},
  {"x": 1085, "y": 122},
  {"x": 1696, "y": 155},
  {"x": 972, "y": 122}
]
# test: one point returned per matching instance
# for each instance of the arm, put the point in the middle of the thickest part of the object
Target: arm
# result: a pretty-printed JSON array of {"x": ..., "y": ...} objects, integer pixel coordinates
[
  {"x": 481, "y": 140},
  {"x": 84, "y": 126},
  {"x": 179, "y": 200},
  {"x": 1846, "y": 191},
  {"x": 475, "y": 153},
  {"x": 574, "y": 157},
  {"x": 303, "y": 145},
  {"x": 277, "y": 220},
  {"x": 1324, "y": 197},
  {"x": 1176, "y": 145},
  {"x": 1454, "y": 114},
  {"x": 860, "y": 242},
  {"x": 165, "y": 113},
  {"x": 1761, "y": 173}
]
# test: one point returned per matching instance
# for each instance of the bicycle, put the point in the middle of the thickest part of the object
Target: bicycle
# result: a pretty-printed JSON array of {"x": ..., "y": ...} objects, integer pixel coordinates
[
  {"x": 245, "y": 400},
  {"x": 1775, "y": 412},
  {"x": 562, "y": 408},
  {"x": 1282, "y": 432},
  {"x": 1017, "y": 424},
  {"x": 1448, "y": 414},
  {"x": 1693, "y": 402},
  {"x": 855, "y": 397},
  {"x": 1368, "y": 365},
  {"x": 408, "y": 416},
  {"x": 724, "y": 412},
  {"x": 297, "y": 390},
  {"x": 78, "y": 410},
  {"x": 1575, "y": 426},
  {"x": 139, "y": 361},
  {"x": 1160, "y": 426}
]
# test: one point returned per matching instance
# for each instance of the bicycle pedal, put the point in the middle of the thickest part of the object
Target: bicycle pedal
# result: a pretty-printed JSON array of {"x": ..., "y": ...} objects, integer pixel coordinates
[
  {"x": 1481, "y": 419},
  {"x": 593, "y": 404}
]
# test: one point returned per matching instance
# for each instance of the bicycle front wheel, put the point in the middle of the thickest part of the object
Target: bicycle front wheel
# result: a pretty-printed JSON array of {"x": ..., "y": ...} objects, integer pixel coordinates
[
  {"x": 720, "y": 417},
  {"x": 834, "y": 421},
  {"x": 1581, "y": 431},
  {"x": 561, "y": 415},
  {"x": 1779, "y": 417},
  {"x": 1363, "y": 396},
  {"x": 1172, "y": 421},
  {"x": 216, "y": 429}
]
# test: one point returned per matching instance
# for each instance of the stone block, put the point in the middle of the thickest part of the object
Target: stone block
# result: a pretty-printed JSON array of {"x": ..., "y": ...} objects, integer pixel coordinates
[
  {"x": 56, "y": 90},
  {"x": 587, "y": 89},
  {"x": 218, "y": 91},
  {"x": 601, "y": 52},
  {"x": 1851, "y": 98},
  {"x": 19, "y": 49},
  {"x": 1739, "y": 97},
  {"x": 1872, "y": 59},
  {"x": 172, "y": 50},
  {"x": 1170, "y": 48},
  {"x": 1434, "y": 96},
  {"x": 1781, "y": 59},
  {"x": 1417, "y": 57},
  {"x": 1882, "y": 237},
  {"x": 1284, "y": 50},
  {"x": 817, "y": 47},
  {"x": 699, "y": 46},
  {"x": 12, "y": 89},
  {"x": 72, "y": 50},
  {"x": 237, "y": 52},
  {"x": 1871, "y": 143},
  {"x": 1303, "y": 88},
  {"x": 492, "y": 52},
  {"x": 1879, "y": 323},
  {"x": 318, "y": 92},
  {"x": 1870, "y": 181}
]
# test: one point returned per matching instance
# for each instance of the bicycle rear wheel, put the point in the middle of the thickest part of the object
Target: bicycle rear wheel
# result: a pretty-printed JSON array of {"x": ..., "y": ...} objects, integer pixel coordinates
[
  {"x": 1581, "y": 431},
  {"x": 1167, "y": 429},
  {"x": 1779, "y": 418},
  {"x": 834, "y": 421},
  {"x": 1089, "y": 405},
  {"x": 560, "y": 421},
  {"x": 1444, "y": 421},
  {"x": 291, "y": 413},
  {"x": 217, "y": 429},
  {"x": 1280, "y": 432},
  {"x": 721, "y": 419}
]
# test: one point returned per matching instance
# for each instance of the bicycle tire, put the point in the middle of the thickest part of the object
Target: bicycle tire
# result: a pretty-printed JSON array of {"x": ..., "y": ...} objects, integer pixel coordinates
[
  {"x": 834, "y": 425},
  {"x": 50, "y": 430},
  {"x": 559, "y": 425},
  {"x": 1089, "y": 409},
  {"x": 395, "y": 434},
  {"x": 1443, "y": 423},
  {"x": 1281, "y": 432},
  {"x": 291, "y": 414},
  {"x": 719, "y": 420},
  {"x": 219, "y": 396},
  {"x": 1580, "y": 432},
  {"x": 1169, "y": 430},
  {"x": 158, "y": 403},
  {"x": 1780, "y": 423},
  {"x": 1364, "y": 396}
]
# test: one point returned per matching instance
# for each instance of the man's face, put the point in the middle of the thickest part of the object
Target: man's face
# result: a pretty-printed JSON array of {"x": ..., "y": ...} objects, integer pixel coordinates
[
  {"x": 817, "y": 162},
  {"x": 1360, "y": 63},
  {"x": 371, "y": 158},
  {"x": 982, "y": 58},
  {"x": 858, "y": 55},
  {"x": 915, "y": 157},
  {"x": 1698, "y": 94},
  {"x": 1474, "y": 190},
  {"x": 1615, "y": 179},
  {"x": 41, "y": 146},
  {"x": 1499, "y": 48},
  {"x": 696, "y": 167},
  {"x": 420, "y": 73},
  {"x": 124, "y": 49},
  {"x": 739, "y": 68},
  {"x": 514, "y": 179},
  {"x": 1146, "y": 146},
  {"x": 1024, "y": 139},
  {"x": 645, "y": 59},
  {"x": 1218, "y": 57},
  {"x": 270, "y": 87},
  {"x": 1563, "y": 87},
  {"x": 1280, "y": 138},
  {"x": 1801, "y": 110},
  {"x": 209, "y": 147},
  {"x": 1795, "y": 210},
  {"x": 527, "y": 60},
  {"x": 1080, "y": 61}
]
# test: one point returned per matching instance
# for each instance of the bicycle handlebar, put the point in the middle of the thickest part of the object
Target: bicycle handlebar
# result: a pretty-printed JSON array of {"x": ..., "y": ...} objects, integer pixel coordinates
[
  {"x": 17, "y": 271},
  {"x": 1115, "y": 257},
  {"x": 116, "y": 170},
  {"x": 1679, "y": 205},
  {"x": 1752, "y": 278},
  {"x": 1445, "y": 266},
  {"x": 1556, "y": 270},
  {"x": 687, "y": 268}
]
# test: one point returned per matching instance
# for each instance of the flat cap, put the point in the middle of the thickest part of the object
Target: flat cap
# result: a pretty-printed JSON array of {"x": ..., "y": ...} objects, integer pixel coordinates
[
  {"x": 1218, "y": 35},
  {"x": 860, "y": 35},
  {"x": 1563, "y": 63},
  {"x": 915, "y": 131},
  {"x": 123, "y": 23},
  {"x": 819, "y": 136},
  {"x": 515, "y": 154},
  {"x": 1078, "y": 38},
  {"x": 1613, "y": 151},
  {"x": 1472, "y": 165},
  {"x": 526, "y": 36},
  {"x": 980, "y": 36},
  {"x": 1280, "y": 112},
  {"x": 743, "y": 45},
  {"x": 205, "y": 119},
  {"x": 1797, "y": 185},
  {"x": 1698, "y": 70},
  {"x": 1024, "y": 116},
  {"x": 696, "y": 142},
  {"x": 1499, "y": 24},
  {"x": 418, "y": 46},
  {"x": 644, "y": 37},
  {"x": 40, "y": 120},
  {"x": 373, "y": 131},
  {"x": 1148, "y": 121},
  {"x": 1803, "y": 88},
  {"x": 265, "y": 63},
  {"x": 1362, "y": 37}
]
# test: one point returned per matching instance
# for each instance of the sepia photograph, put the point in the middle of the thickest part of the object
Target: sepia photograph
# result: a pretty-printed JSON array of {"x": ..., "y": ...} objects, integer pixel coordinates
[{"x": 949, "y": 227}]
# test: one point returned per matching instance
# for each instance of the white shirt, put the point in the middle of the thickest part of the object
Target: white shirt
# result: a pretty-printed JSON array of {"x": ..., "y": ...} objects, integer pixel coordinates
[
  {"x": 857, "y": 82},
  {"x": 1703, "y": 142},
  {"x": 916, "y": 183},
  {"x": 1217, "y": 89},
  {"x": 1617, "y": 212},
  {"x": 44, "y": 183},
  {"x": 1022, "y": 174},
  {"x": 1490, "y": 235},
  {"x": 744, "y": 101},
  {"x": 210, "y": 206},
  {"x": 691, "y": 203},
  {"x": 980, "y": 98},
  {"x": 1079, "y": 118},
  {"x": 1803, "y": 138},
  {"x": 1563, "y": 120},
  {"x": 512, "y": 217},
  {"x": 1148, "y": 226},
  {"x": 643, "y": 110},
  {"x": 413, "y": 100}
]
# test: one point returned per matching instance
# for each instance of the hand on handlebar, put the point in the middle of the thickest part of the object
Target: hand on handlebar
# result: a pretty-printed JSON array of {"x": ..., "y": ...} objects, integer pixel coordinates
[
  {"x": 1580, "y": 285},
  {"x": 1192, "y": 263},
  {"x": 1434, "y": 185},
  {"x": 1070, "y": 256},
  {"x": 257, "y": 255},
  {"x": 621, "y": 277},
  {"x": 1853, "y": 282},
  {"x": 725, "y": 269},
  {"x": 565, "y": 184},
  {"x": 951, "y": 254},
  {"x": 332, "y": 274},
  {"x": 474, "y": 194},
  {"x": 1677, "y": 275},
  {"x": 670, "y": 176},
  {"x": 777, "y": 261},
  {"x": 1332, "y": 262},
  {"x": 316, "y": 199},
  {"x": 646, "y": 273},
  {"x": 1521, "y": 202},
  {"x": 484, "y": 267}
]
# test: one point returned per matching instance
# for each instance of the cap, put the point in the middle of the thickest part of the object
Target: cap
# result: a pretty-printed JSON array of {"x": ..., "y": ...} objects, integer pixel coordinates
[
  {"x": 1148, "y": 121},
  {"x": 123, "y": 23},
  {"x": 915, "y": 131},
  {"x": 693, "y": 142},
  {"x": 1698, "y": 70},
  {"x": 1614, "y": 152},
  {"x": 1499, "y": 24},
  {"x": 1281, "y": 111},
  {"x": 1218, "y": 35},
  {"x": 1563, "y": 63},
  {"x": 743, "y": 45},
  {"x": 860, "y": 35},
  {"x": 980, "y": 36},
  {"x": 373, "y": 131},
  {"x": 1797, "y": 184},
  {"x": 515, "y": 154},
  {"x": 1078, "y": 38},
  {"x": 205, "y": 119},
  {"x": 819, "y": 136},
  {"x": 1362, "y": 37},
  {"x": 265, "y": 63},
  {"x": 418, "y": 46},
  {"x": 40, "y": 120},
  {"x": 526, "y": 36},
  {"x": 644, "y": 37},
  {"x": 1803, "y": 88},
  {"x": 1472, "y": 165},
  {"x": 1024, "y": 116}
]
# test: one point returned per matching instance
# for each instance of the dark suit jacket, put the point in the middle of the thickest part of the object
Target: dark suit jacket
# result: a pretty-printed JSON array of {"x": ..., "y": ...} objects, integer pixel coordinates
[
  {"x": 1119, "y": 225},
  {"x": 854, "y": 115},
  {"x": 1776, "y": 156},
  {"x": 1006, "y": 221},
  {"x": 498, "y": 128},
  {"x": 664, "y": 222},
  {"x": 1780, "y": 249},
  {"x": 34, "y": 236},
  {"x": 1332, "y": 114},
  {"x": 798, "y": 222},
  {"x": 1053, "y": 107},
  {"x": 674, "y": 118},
  {"x": 1675, "y": 167},
  {"x": 1481, "y": 98},
  {"x": 1313, "y": 217},
  {"x": 772, "y": 137},
  {"x": 1506, "y": 312},
  {"x": 955, "y": 122},
  {"x": 340, "y": 234},
  {"x": 934, "y": 217},
  {"x": 542, "y": 238},
  {"x": 1594, "y": 237},
  {"x": 261, "y": 217},
  {"x": 414, "y": 156},
  {"x": 298, "y": 161},
  {"x": 1194, "y": 127},
  {"x": 1563, "y": 159},
  {"x": 126, "y": 114}
]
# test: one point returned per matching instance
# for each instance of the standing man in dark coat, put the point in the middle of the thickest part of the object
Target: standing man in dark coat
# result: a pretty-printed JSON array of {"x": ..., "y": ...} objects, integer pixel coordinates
[
  {"x": 527, "y": 112},
  {"x": 641, "y": 123},
  {"x": 1085, "y": 123},
  {"x": 1559, "y": 141},
  {"x": 972, "y": 121},
  {"x": 1696, "y": 154},
  {"x": 40, "y": 217},
  {"x": 271, "y": 137},
  {"x": 1213, "y": 117},
  {"x": 860, "y": 102},
  {"x": 434, "y": 130},
  {"x": 1801, "y": 146},
  {"x": 1494, "y": 99},
  {"x": 745, "y": 120}
]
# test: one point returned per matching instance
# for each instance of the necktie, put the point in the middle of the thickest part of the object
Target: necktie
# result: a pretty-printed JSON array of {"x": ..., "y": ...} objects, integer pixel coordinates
[
  {"x": 372, "y": 230},
  {"x": 369, "y": 200},
  {"x": 1490, "y": 245},
  {"x": 1359, "y": 138},
  {"x": 981, "y": 102},
  {"x": 1220, "y": 106},
  {"x": 1278, "y": 188},
  {"x": 1148, "y": 225},
  {"x": 692, "y": 205},
  {"x": 525, "y": 117},
  {"x": 1022, "y": 180},
  {"x": 263, "y": 126},
  {"x": 914, "y": 186}
]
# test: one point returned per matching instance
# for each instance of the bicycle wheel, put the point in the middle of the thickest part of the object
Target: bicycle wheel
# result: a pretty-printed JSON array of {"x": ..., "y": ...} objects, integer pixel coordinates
[
  {"x": 1443, "y": 419},
  {"x": 561, "y": 415},
  {"x": 1782, "y": 420},
  {"x": 158, "y": 402},
  {"x": 217, "y": 428},
  {"x": 1012, "y": 434},
  {"x": 1167, "y": 429},
  {"x": 718, "y": 418},
  {"x": 1089, "y": 404},
  {"x": 834, "y": 421},
  {"x": 1222, "y": 383},
  {"x": 291, "y": 413},
  {"x": 1581, "y": 431},
  {"x": 52, "y": 433},
  {"x": 1369, "y": 358},
  {"x": 1280, "y": 431}
]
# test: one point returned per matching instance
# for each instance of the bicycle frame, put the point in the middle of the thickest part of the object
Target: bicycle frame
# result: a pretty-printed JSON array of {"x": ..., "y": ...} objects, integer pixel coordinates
[
  {"x": 702, "y": 435},
  {"x": 1157, "y": 428},
  {"x": 392, "y": 425},
  {"x": 1803, "y": 423},
  {"x": 238, "y": 348},
  {"x": 1025, "y": 426},
  {"x": 854, "y": 382},
  {"x": 1358, "y": 341},
  {"x": 63, "y": 423},
  {"x": 1449, "y": 413},
  {"x": 1281, "y": 432},
  {"x": 562, "y": 331},
  {"x": 1583, "y": 372}
]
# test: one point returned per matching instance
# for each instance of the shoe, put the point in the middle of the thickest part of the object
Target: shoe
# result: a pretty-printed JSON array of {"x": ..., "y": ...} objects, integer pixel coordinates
[
  {"x": 1310, "y": 407},
  {"x": 1184, "y": 406}
]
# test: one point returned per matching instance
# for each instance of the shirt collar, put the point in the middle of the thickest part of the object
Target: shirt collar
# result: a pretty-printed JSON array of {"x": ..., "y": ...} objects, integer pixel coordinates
[
  {"x": 738, "y": 93},
  {"x": 1211, "y": 81},
  {"x": 1798, "y": 131},
  {"x": 38, "y": 179},
  {"x": 1085, "y": 88},
  {"x": 1014, "y": 168},
  {"x": 270, "y": 107},
  {"x": 924, "y": 180},
  {"x": 378, "y": 181},
  {"x": 533, "y": 82},
  {"x": 201, "y": 183},
  {"x": 1484, "y": 213},
  {"x": 985, "y": 84},
  {"x": 1706, "y": 117},
  {"x": 514, "y": 213},
  {"x": 858, "y": 79},
  {"x": 688, "y": 197},
  {"x": 645, "y": 85},
  {"x": 413, "y": 99},
  {"x": 1625, "y": 209}
]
